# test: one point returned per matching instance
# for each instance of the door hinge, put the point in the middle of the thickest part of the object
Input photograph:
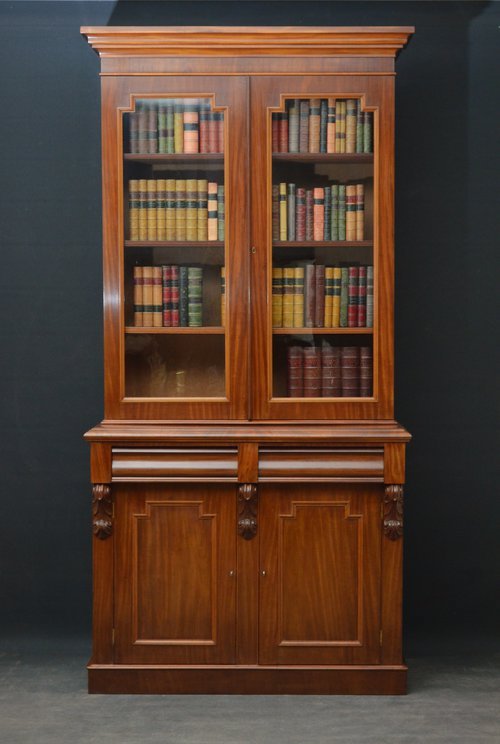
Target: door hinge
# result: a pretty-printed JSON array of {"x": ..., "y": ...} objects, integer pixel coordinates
[{"x": 381, "y": 637}]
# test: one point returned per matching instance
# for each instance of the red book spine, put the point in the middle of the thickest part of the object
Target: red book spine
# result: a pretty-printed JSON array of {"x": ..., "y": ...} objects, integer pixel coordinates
[
  {"x": 352, "y": 294},
  {"x": 274, "y": 133},
  {"x": 365, "y": 371},
  {"x": 167, "y": 295},
  {"x": 295, "y": 367},
  {"x": 319, "y": 310},
  {"x": 309, "y": 214},
  {"x": 310, "y": 295},
  {"x": 312, "y": 372},
  {"x": 174, "y": 294},
  {"x": 331, "y": 379},
  {"x": 362, "y": 297},
  {"x": 300, "y": 214},
  {"x": 283, "y": 132},
  {"x": 350, "y": 371}
]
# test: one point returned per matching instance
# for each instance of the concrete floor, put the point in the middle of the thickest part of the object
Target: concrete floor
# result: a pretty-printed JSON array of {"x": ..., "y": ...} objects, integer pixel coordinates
[{"x": 43, "y": 700}]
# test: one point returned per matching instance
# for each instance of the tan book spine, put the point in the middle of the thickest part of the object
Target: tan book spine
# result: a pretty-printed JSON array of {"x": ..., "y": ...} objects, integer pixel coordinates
[
  {"x": 328, "y": 296},
  {"x": 191, "y": 128},
  {"x": 337, "y": 280},
  {"x": 161, "y": 212},
  {"x": 360, "y": 211},
  {"x": 202, "y": 210},
  {"x": 133, "y": 209},
  {"x": 178, "y": 128},
  {"x": 283, "y": 211},
  {"x": 350, "y": 212},
  {"x": 298, "y": 297},
  {"x": 138, "y": 301},
  {"x": 212, "y": 211},
  {"x": 277, "y": 297},
  {"x": 151, "y": 209},
  {"x": 330, "y": 126},
  {"x": 350, "y": 125},
  {"x": 288, "y": 296},
  {"x": 147, "y": 296},
  {"x": 314, "y": 124},
  {"x": 157, "y": 297},
  {"x": 170, "y": 209},
  {"x": 191, "y": 209},
  {"x": 180, "y": 209},
  {"x": 143, "y": 209},
  {"x": 319, "y": 214},
  {"x": 223, "y": 296}
]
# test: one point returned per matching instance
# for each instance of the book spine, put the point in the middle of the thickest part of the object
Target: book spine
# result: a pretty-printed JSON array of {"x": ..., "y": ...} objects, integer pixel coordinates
[
  {"x": 352, "y": 305},
  {"x": 170, "y": 128},
  {"x": 330, "y": 126},
  {"x": 152, "y": 132},
  {"x": 204, "y": 118},
  {"x": 365, "y": 371},
  {"x": 293, "y": 126},
  {"x": 276, "y": 211},
  {"x": 147, "y": 296},
  {"x": 368, "y": 132},
  {"x": 178, "y": 127},
  {"x": 309, "y": 214},
  {"x": 350, "y": 208},
  {"x": 183, "y": 296},
  {"x": 174, "y": 290},
  {"x": 300, "y": 214},
  {"x": 274, "y": 133},
  {"x": 134, "y": 206},
  {"x": 298, "y": 297},
  {"x": 309, "y": 296},
  {"x": 151, "y": 209},
  {"x": 212, "y": 132},
  {"x": 350, "y": 127},
  {"x": 344, "y": 295},
  {"x": 336, "y": 296},
  {"x": 138, "y": 301},
  {"x": 162, "y": 128},
  {"x": 220, "y": 131},
  {"x": 161, "y": 211},
  {"x": 319, "y": 293},
  {"x": 304, "y": 126},
  {"x": 288, "y": 296},
  {"x": 283, "y": 131},
  {"x": 331, "y": 386},
  {"x": 323, "y": 119},
  {"x": 369, "y": 296},
  {"x": 319, "y": 213},
  {"x": 221, "y": 218},
  {"x": 202, "y": 210},
  {"x": 277, "y": 297},
  {"x": 341, "y": 211},
  {"x": 350, "y": 371},
  {"x": 212, "y": 211},
  {"x": 157, "y": 298},
  {"x": 133, "y": 132},
  {"x": 167, "y": 295},
  {"x": 223, "y": 296},
  {"x": 180, "y": 209},
  {"x": 191, "y": 128},
  {"x": 362, "y": 297},
  {"x": 290, "y": 220},
  {"x": 360, "y": 211},
  {"x": 191, "y": 209},
  {"x": 142, "y": 126},
  {"x": 295, "y": 368},
  {"x": 283, "y": 210},
  {"x": 327, "y": 317},
  {"x": 312, "y": 372},
  {"x": 143, "y": 209},
  {"x": 327, "y": 226},
  {"x": 195, "y": 283},
  {"x": 314, "y": 124},
  {"x": 359, "y": 127},
  {"x": 340, "y": 131},
  {"x": 170, "y": 203},
  {"x": 334, "y": 233}
]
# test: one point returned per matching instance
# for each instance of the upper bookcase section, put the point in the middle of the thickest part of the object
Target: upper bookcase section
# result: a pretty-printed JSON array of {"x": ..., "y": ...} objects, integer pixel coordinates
[{"x": 336, "y": 48}]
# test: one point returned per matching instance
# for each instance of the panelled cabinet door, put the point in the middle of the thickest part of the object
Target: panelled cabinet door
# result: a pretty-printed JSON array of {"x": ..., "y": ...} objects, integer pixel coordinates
[
  {"x": 320, "y": 574},
  {"x": 175, "y": 584}
]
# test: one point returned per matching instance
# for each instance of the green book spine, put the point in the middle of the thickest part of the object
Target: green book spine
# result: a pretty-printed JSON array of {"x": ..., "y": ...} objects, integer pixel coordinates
[
  {"x": 335, "y": 212},
  {"x": 170, "y": 128},
  {"x": 162, "y": 129},
  {"x": 195, "y": 285},
  {"x": 178, "y": 127},
  {"x": 183, "y": 296},
  {"x": 220, "y": 213},
  {"x": 202, "y": 222},
  {"x": 367, "y": 132},
  {"x": 291, "y": 211},
  {"x": 344, "y": 296},
  {"x": 341, "y": 212},
  {"x": 359, "y": 127}
]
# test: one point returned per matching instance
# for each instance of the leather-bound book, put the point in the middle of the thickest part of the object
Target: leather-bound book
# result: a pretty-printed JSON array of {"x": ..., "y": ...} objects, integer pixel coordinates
[
  {"x": 170, "y": 209},
  {"x": 283, "y": 131},
  {"x": 219, "y": 118},
  {"x": 365, "y": 371},
  {"x": 147, "y": 296},
  {"x": 167, "y": 295},
  {"x": 368, "y": 132},
  {"x": 212, "y": 211},
  {"x": 290, "y": 206},
  {"x": 174, "y": 289},
  {"x": 293, "y": 125},
  {"x": 221, "y": 217},
  {"x": 223, "y": 296},
  {"x": 337, "y": 290},
  {"x": 143, "y": 209},
  {"x": 283, "y": 212},
  {"x": 344, "y": 295},
  {"x": 350, "y": 207},
  {"x": 274, "y": 133},
  {"x": 360, "y": 211},
  {"x": 309, "y": 214},
  {"x": 288, "y": 296},
  {"x": 314, "y": 124},
  {"x": 327, "y": 312},
  {"x": 195, "y": 289},
  {"x": 300, "y": 214},
  {"x": 334, "y": 228},
  {"x": 341, "y": 211},
  {"x": 341, "y": 126},
  {"x": 353, "y": 299},
  {"x": 202, "y": 210},
  {"x": 362, "y": 297},
  {"x": 170, "y": 127},
  {"x": 331, "y": 378},
  {"x": 204, "y": 126},
  {"x": 183, "y": 296},
  {"x": 152, "y": 130},
  {"x": 138, "y": 302},
  {"x": 178, "y": 127},
  {"x": 319, "y": 213},
  {"x": 309, "y": 296},
  {"x": 191, "y": 209},
  {"x": 161, "y": 210},
  {"x": 277, "y": 297},
  {"x": 369, "y": 296},
  {"x": 180, "y": 209},
  {"x": 213, "y": 134},
  {"x": 157, "y": 298},
  {"x": 350, "y": 125},
  {"x": 191, "y": 127},
  {"x": 312, "y": 372},
  {"x": 298, "y": 297},
  {"x": 304, "y": 126},
  {"x": 350, "y": 371},
  {"x": 327, "y": 225},
  {"x": 295, "y": 372},
  {"x": 134, "y": 206},
  {"x": 142, "y": 126},
  {"x": 323, "y": 119},
  {"x": 276, "y": 212},
  {"x": 151, "y": 210},
  {"x": 162, "y": 128},
  {"x": 330, "y": 125},
  {"x": 319, "y": 293},
  {"x": 359, "y": 127}
]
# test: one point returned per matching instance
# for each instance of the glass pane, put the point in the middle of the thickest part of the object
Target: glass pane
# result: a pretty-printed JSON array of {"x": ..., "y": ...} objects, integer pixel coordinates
[
  {"x": 322, "y": 254},
  {"x": 174, "y": 255}
]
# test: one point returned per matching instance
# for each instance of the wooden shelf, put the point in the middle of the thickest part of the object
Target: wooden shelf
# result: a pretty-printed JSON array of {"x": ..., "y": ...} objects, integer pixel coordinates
[
  {"x": 323, "y": 157},
  {"x": 178, "y": 157},
  {"x": 174, "y": 243},
  {"x": 322, "y": 244},
  {"x": 200, "y": 331},
  {"x": 317, "y": 331}
]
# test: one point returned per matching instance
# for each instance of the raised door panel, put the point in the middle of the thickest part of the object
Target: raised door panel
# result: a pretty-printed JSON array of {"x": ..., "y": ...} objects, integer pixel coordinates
[
  {"x": 175, "y": 574},
  {"x": 320, "y": 574}
]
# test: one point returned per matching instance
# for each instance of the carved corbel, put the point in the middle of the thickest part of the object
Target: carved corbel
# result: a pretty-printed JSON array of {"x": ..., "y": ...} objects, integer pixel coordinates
[
  {"x": 102, "y": 511},
  {"x": 247, "y": 511},
  {"x": 393, "y": 512}
]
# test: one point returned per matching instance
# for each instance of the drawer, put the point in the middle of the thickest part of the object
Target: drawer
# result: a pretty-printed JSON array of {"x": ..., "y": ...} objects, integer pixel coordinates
[
  {"x": 174, "y": 462},
  {"x": 321, "y": 463}
]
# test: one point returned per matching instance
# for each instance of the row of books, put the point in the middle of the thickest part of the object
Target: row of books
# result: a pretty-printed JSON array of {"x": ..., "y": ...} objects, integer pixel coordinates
[
  {"x": 335, "y": 212},
  {"x": 171, "y": 296},
  {"x": 317, "y": 296},
  {"x": 323, "y": 125},
  {"x": 176, "y": 209},
  {"x": 329, "y": 371},
  {"x": 175, "y": 126}
]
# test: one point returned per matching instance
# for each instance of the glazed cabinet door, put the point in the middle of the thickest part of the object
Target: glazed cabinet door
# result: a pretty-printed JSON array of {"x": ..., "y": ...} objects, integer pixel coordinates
[
  {"x": 175, "y": 195},
  {"x": 175, "y": 566},
  {"x": 320, "y": 574},
  {"x": 322, "y": 247}
]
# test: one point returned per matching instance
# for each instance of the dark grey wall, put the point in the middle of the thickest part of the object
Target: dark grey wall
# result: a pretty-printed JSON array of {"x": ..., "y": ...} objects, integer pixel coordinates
[{"x": 447, "y": 228}]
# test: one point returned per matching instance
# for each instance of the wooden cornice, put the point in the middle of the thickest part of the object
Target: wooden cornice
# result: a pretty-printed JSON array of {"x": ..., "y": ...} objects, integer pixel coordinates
[{"x": 267, "y": 41}]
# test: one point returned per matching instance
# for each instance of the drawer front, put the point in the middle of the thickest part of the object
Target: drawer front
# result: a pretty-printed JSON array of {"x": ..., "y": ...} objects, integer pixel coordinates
[
  {"x": 175, "y": 462},
  {"x": 321, "y": 463}
]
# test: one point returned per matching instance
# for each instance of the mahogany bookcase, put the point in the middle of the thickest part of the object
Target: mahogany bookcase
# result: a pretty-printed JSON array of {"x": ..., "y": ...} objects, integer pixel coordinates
[{"x": 247, "y": 533}]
